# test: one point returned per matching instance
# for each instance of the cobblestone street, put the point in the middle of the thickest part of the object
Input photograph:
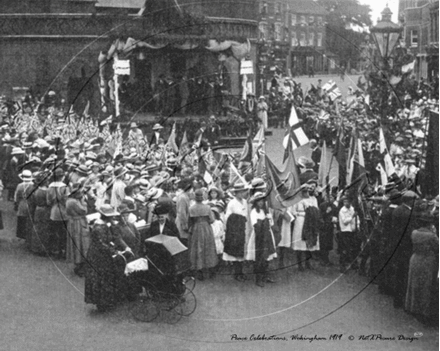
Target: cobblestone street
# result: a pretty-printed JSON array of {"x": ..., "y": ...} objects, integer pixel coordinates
[{"x": 43, "y": 309}]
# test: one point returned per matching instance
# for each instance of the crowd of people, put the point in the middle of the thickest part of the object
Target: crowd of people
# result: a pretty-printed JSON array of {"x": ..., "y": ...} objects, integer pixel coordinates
[{"x": 90, "y": 193}]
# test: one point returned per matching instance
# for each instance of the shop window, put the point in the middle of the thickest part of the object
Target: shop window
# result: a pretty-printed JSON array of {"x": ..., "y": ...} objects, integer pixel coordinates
[
  {"x": 319, "y": 39},
  {"x": 264, "y": 30},
  {"x": 414, "y": 38},
  {"x": 311, "y": 39},
  {"x": 293, "y": 19},
  {"x": 293, "y": 39},
  {"x": 278, "y": 32},
  {"x": 302, "y": 39}
]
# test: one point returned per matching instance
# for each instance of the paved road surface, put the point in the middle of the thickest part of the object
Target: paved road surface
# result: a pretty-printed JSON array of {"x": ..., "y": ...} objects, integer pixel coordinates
[{"x": 43, "y": 309}]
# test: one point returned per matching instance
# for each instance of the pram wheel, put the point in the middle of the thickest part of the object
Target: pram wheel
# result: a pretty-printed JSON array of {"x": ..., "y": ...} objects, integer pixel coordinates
[
  {"x": 144, "y": 310},
  {"x": 189, "y": 282},
  {"x": 171, "y": 310},
  {"x": 188, "y": 303}
]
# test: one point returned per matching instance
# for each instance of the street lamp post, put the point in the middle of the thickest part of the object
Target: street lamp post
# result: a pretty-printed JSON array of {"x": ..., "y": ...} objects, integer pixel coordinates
[{"x": 386, "y": 35}]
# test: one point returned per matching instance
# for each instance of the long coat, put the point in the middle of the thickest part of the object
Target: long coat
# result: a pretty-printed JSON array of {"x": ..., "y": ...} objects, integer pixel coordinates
[
  {"x": 78, "y": 238},
  {"x": 400, "y": 240},
  {"x": 105, "y": 283},
  {"x": 40, "y": 229},
  {"x": 422, "y": 276},
  {"x": 202, "y": 250},
  {"x": 24, "y": 200},
  {"x": 328, "y": 212}
]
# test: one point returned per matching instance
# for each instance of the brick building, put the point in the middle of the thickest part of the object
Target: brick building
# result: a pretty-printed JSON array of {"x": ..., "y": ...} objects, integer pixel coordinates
[
  {"x": 55, "y": 44},
  {"x": 432, "y": 48},
  {"x": 416, "y": 36},
  {"x": 291, "y": 37}
]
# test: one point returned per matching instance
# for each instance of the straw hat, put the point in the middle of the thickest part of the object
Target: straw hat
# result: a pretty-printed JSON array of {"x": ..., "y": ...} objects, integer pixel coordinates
[
  {"x": 154, "y": 193},
  {"x": 257, "y": 196},
  {"x": 214, "y": 188},
  {"x": 83, "y": 169},
  {"x": 157, "y": 126},
  {"x": 26, "y": 175},
  {"x": 17, "y": 151},
  {"x": 258, "y": 184},
  {"x": 108, "y": 211},
  {"x": 239, "y": 186}
]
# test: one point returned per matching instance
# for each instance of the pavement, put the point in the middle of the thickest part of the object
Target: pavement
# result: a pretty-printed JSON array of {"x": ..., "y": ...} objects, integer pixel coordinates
[{"x": 43, "y": 308}]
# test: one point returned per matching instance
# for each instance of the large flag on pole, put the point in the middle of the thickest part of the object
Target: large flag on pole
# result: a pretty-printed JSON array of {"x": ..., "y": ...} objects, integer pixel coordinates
[
  {"x": 339, "y": 154},
  {"x": 258, "y": 141},
  {"x": 294, "y": 136},
  {"x": 356, "y": 175},
  {"x": 246, "y": 154},
  {"x": 387, "y": 162},
  {"x": 285, "y": 183},
  {"x": 324, "y": 167},
  {"x": 234, "y": 174}
]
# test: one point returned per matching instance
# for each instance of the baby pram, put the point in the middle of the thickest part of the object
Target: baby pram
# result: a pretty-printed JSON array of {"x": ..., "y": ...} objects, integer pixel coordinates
[{"x": 161, "y": 278}]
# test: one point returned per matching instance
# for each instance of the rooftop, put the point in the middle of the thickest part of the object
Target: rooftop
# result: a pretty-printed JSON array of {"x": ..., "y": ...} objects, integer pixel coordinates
[
  {"x": 309, "y": 7},
  {"x": 129, "y": 4}
]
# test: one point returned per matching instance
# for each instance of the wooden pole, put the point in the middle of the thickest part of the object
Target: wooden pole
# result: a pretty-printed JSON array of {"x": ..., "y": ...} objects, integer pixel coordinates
[{"x": 116, "y": 79}]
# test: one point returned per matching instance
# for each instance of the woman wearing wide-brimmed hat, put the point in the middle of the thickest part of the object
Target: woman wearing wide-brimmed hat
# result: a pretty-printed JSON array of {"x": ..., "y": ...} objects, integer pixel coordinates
[
  {"x": 237, "y": 229},
  {"x": 202, "y": 249},
  {"x": 105, "y": 284},
  {"x": 13, "y": 170},
  {"x": 78, "y": 236},
  {"x": 25, "y": 205},
  {"x": 300, "y": 246},
  {"x": 40, "y": 227},
  {"x": 57, "y": 194},
  {"x": 261, "y": 245}
]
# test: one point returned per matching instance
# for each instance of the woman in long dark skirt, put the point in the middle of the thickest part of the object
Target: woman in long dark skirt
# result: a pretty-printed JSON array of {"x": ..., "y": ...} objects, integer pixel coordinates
[
  {"x": 202, "y": 251},
  {"x": 25, "y": 207},
  {"x": 105, "y": 283},
  {"x": 40, "y": 228},
  {"x": 422, "y": 290}
]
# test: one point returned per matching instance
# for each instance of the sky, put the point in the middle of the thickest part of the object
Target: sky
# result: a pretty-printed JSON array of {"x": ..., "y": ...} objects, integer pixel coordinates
[{"x": 377, "y": 7}]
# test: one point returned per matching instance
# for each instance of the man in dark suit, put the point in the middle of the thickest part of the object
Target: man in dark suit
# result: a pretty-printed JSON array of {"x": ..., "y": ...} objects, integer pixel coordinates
[{"x": 400, "y": 241}]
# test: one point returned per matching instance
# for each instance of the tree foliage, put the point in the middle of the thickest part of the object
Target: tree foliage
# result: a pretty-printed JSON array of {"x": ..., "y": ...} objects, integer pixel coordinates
[
  {"x": 345, "y": 12},
  {"x": 340, "y": 38}
]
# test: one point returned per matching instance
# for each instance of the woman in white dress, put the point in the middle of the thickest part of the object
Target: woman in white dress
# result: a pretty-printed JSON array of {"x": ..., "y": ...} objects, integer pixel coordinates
[
  {"x": 299, "y": 211},
  {"x": 286, "y": 234},
  {"x": 261, "y": 246}
]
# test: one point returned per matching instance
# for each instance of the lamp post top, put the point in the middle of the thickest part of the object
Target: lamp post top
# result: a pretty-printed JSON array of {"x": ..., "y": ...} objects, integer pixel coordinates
[
  {"x": 385, "y": 24},
  {"x": 386, "y": 14}
]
